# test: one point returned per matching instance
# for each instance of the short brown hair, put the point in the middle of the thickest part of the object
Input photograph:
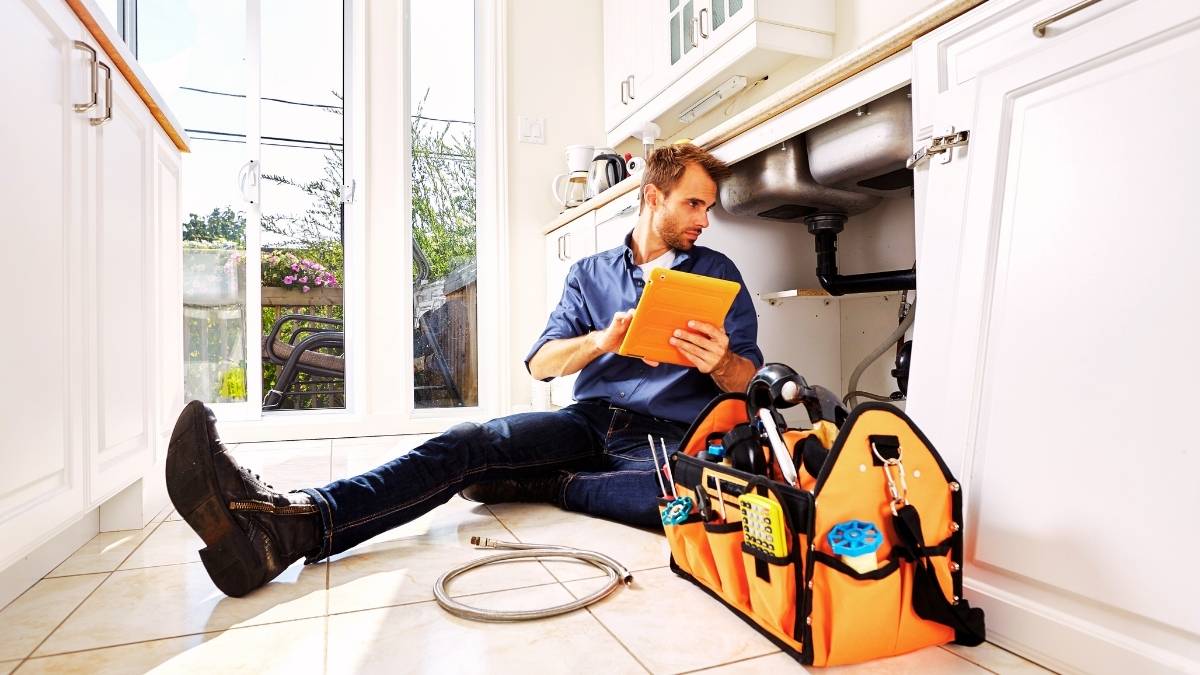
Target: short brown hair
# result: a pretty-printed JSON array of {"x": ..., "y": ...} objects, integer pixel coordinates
[{"x": 667, "y": 164}]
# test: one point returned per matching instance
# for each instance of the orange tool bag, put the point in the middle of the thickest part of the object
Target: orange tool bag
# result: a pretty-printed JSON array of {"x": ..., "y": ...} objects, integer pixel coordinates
[{"x": 763, "y": 546}]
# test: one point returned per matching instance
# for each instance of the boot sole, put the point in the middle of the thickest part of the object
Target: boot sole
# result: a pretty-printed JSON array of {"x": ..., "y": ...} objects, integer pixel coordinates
[{"x": 228, "y": 555}]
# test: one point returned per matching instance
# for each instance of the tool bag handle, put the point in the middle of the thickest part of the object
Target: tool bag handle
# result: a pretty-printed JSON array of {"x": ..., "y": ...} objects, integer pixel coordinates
[{"x": 928, "y": 600}]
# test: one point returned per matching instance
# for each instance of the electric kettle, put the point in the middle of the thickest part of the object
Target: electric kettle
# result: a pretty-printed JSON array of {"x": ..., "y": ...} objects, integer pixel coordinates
[{"x": 607, "y": 169}]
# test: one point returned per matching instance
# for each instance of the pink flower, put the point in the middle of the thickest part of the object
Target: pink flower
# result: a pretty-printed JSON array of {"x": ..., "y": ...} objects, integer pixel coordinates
[
  {"x": 287, "y": 281},
  {"x": 304, "y": 280},
  {"x": 306, "y": 289},
  {"x": 295, "y": 267}
]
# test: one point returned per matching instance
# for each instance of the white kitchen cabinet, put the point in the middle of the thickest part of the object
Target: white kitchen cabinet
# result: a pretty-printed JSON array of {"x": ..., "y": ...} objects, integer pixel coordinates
[
  {"x": 93, "y": 228},
  {"x": 42, "y": 430},
  {"x": 564, "y": 247},
  {"x": 616, "y": 219},
  {"x": 1056, "y": 331},
  {"x": 688, "y": 47}
]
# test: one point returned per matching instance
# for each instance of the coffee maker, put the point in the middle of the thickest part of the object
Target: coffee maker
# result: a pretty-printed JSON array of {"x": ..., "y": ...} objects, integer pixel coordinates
[{"x": 571, "y": 189}]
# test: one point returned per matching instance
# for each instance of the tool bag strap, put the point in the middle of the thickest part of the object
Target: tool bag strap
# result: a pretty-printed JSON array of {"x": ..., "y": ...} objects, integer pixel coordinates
[{"x": 928, "y": 600}]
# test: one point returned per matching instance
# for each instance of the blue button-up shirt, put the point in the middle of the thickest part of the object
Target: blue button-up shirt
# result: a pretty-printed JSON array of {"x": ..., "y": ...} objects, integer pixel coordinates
[{"x": 608, "y": 282}]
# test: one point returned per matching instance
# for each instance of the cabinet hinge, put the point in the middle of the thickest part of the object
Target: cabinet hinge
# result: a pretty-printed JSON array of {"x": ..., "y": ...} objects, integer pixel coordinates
[
  {"x": 939, "y": 145},
  {"x": 348, "y": 192}
]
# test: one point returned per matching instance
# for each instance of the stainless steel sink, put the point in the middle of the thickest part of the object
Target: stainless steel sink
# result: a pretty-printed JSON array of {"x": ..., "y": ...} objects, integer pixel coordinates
[
  {"x": 776, "y": 183},
  {"x": 865, "y": 150}
]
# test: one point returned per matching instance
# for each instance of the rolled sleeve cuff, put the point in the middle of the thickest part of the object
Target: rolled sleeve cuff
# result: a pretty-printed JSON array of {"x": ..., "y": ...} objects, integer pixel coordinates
[{"x": 532, "y": 352}]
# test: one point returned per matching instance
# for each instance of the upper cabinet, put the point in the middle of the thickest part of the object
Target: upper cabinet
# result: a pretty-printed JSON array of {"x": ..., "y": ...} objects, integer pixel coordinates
[{"x": 662, "y": 57}]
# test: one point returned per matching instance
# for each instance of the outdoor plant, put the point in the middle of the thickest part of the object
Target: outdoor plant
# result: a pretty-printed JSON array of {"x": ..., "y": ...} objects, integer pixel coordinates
[
  {"x": 233, "y": 384},
  {"x": 289, "y": 270}
]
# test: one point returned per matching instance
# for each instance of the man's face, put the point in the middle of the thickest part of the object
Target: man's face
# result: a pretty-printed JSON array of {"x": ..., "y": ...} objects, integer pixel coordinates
[{"x": 681, "y": 216}]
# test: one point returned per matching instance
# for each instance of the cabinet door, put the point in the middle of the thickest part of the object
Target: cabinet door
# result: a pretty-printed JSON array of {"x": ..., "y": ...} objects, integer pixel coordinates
[
  {"x": 620, "y": 40},
  {"x": 41, "y": 181},
  {"x": 565, "y": 247},
  {"x": 1071, "y": 327},
  {"x": 615, "y": 220},
  {"x": 121, "y": 292}
]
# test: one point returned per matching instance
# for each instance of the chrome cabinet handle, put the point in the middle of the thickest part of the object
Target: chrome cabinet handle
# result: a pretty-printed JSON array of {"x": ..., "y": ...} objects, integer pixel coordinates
[
  {"x": 97, "y": 121},
  {"x": 624, "y": 91},
  {"x": 696, "y": 32},
  {"x": 630, "y": 81},
  {"x": 1039, "y": 28},
  {"x": 700, "y": 22},
  {"x": 84, "y": 107},
  {"x": 559, "y": 242},
  {"x": 567, "y": 246}
]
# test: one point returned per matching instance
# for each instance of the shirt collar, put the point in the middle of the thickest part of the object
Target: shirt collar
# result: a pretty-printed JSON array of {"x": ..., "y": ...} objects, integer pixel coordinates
[{"x": 680, "y": 256}]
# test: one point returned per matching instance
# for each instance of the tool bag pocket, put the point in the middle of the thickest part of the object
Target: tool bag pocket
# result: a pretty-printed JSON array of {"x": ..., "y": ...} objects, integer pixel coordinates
[
  {"x": 725, "y": 541},
  {"x": 855, "y": 615},
  {"x": 689, "y": 548}
]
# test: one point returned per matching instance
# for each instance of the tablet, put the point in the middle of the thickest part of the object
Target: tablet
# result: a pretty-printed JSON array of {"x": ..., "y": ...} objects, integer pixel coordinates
[{"x": 670, "y": 300}]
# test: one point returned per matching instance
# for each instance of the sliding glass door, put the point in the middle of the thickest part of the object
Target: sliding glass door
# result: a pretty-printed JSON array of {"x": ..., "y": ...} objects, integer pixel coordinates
[
  {"x": 258, "y": 86},
  {"x": 441, "y": 96}
]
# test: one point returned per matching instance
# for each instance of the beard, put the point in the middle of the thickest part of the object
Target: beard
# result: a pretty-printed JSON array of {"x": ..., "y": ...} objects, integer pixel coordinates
[{"x": 674, "y": 235}]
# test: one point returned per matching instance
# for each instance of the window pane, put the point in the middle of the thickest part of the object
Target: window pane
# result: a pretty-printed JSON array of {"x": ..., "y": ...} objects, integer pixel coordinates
[
  {"x": 194, "y": 56},
  {"x": 442, "y": 128},
  {"x": 302, "y": 228}
]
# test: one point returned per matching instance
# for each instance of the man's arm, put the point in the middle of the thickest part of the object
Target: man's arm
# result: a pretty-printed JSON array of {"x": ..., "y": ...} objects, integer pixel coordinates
[{"x": 565, "y": 356}]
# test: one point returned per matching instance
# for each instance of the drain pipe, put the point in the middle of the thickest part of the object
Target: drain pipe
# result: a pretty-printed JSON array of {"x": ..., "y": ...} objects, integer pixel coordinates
[{"x": 825, "y": 227}]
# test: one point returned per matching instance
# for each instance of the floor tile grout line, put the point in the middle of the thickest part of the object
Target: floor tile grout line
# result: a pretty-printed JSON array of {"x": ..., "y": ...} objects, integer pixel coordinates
[
  {"x": 86, "y": 597},
  {"x": 619, "y": 640},
  {"x": 175, "y": 637},
  {"x": 730, "y": 663},
  {"x": 977, "y": 665}
]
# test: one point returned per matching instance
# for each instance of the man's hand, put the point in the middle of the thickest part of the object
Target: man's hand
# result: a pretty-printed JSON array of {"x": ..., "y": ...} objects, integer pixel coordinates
[
  {"x": 609, "y": 339},
  {"x": 705, "y": 345}
]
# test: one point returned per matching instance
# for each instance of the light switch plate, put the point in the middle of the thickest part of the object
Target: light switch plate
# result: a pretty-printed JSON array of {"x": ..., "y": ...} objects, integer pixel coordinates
[{"x": 531, "y": 129}]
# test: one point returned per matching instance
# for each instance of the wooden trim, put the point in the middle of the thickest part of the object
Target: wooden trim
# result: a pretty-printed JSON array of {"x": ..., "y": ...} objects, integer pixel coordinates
[
  {"x": 825, "y": 77},
  {"x": 84, "y": 12},
  {"x": 278, "y": 296}
]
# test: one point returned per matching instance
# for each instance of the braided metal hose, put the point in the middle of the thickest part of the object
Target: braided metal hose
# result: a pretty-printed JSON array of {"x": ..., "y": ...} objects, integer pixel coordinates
[{"x": 617, "y": 574}]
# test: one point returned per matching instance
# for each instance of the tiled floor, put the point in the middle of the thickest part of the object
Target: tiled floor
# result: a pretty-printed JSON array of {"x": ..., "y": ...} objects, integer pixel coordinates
[{"x": 139, "y": 601}]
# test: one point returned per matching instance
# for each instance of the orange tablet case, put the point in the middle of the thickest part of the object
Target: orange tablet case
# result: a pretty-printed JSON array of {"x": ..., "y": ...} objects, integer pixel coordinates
[{"x": 671, "y": 299}]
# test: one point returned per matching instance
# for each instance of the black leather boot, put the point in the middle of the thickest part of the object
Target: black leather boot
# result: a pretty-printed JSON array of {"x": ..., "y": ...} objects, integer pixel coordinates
[
  {"x": 545, "y": 488},
  {"x": 251, "y": 532}
]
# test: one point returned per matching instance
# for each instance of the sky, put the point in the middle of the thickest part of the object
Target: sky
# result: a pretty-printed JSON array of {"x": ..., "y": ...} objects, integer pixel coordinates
[{"x": 184, "y": 45}]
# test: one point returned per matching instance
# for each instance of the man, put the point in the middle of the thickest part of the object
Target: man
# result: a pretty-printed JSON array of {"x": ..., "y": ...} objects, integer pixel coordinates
[{"x": 591, "y": 456}]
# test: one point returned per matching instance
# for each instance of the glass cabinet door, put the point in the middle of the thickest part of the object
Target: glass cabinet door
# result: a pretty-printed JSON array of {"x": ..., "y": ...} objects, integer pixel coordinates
[{"x": 683, "y": 28}]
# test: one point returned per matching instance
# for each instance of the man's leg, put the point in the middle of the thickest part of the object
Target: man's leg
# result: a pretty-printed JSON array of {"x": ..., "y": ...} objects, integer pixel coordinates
[
  {"x": 253, "y": 532},
  {"x": 525, "y": 445},
  {"x": 626, "y": 490}
]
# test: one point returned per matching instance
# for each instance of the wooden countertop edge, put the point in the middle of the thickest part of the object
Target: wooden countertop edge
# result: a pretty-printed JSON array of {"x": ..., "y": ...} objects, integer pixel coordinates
[
  {"x": 128, "y": 67},
  {"x": 833, "y": 72}
]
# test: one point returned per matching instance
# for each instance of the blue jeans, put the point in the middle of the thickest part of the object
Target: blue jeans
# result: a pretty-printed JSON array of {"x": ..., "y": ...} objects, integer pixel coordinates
[{"x": 600, "y": 450}]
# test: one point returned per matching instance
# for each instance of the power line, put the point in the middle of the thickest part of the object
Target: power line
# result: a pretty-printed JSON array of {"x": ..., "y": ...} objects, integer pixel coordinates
[
  {"x": 265, "y": 98},
  {"x": 317, "y": 105},
  {"x": 310, "y": 142}
]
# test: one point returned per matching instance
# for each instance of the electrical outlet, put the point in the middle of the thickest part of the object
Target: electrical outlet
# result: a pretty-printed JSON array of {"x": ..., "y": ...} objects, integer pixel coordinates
[{"x": 531, "y": 129}]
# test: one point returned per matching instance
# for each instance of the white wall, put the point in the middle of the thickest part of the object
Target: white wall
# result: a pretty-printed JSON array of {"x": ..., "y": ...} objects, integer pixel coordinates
[{"x": 555, "y": 71}]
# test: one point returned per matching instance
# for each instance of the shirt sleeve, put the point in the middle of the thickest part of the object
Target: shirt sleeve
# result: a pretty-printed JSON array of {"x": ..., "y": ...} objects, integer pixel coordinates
[
  {"x": 741, "y": 323},
  {"x": 569, "y": 319}
]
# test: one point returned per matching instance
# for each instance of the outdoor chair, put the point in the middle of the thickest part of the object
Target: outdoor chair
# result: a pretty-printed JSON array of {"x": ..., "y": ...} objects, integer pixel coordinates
[{"x": 299, "y": 354}]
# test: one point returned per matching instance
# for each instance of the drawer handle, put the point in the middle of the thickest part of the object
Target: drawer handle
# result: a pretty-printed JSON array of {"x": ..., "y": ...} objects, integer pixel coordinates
[
  {"x": 84, "y": 107},
  {"x": 1039, "y": 28},
  {"x": 97, "y": 121}
]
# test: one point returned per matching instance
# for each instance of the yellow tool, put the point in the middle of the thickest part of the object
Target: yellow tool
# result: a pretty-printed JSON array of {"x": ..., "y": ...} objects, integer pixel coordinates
[{"x": 762, "y": 525}]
